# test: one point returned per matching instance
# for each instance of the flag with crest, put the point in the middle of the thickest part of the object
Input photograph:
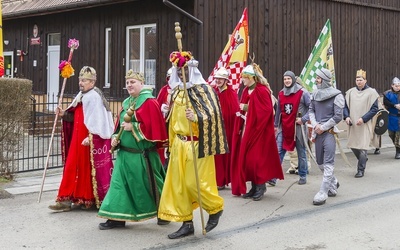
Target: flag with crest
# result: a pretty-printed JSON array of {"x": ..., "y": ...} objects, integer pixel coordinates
[
  {"x": 321, "y": 56},
  {"x": 234, "y": 55}
]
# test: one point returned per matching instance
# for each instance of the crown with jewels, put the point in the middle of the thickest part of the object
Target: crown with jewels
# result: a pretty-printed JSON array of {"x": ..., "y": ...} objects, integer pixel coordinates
[
  {"x": 361, "y": 73},
  {"x": 134, "y": 75},
  {"x": 88, "y": 73}
]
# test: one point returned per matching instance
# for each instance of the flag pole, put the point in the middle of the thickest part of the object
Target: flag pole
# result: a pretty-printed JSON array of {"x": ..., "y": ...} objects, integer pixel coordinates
[
  {"x": 178, "y": 36},
  {"x": 72, "y": 44}
]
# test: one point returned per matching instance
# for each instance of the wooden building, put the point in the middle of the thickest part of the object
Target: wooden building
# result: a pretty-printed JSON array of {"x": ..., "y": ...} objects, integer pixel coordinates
[{"x": 116, "y": 35}]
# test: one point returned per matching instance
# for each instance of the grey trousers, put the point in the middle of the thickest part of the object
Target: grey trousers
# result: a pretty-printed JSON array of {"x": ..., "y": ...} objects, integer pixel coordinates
[{"x": 362, "y": 158}]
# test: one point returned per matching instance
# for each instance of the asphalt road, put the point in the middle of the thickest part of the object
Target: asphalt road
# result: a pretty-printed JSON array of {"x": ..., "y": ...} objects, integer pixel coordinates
[{"x": 364, "y": 215}]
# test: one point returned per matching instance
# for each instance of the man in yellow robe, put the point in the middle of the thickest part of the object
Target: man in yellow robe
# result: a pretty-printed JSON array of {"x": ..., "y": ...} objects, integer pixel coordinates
[{"x": 203, "y": 113}]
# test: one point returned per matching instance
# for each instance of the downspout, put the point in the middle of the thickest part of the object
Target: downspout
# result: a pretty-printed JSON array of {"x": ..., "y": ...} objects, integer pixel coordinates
[{"x": 197, "y": 21}]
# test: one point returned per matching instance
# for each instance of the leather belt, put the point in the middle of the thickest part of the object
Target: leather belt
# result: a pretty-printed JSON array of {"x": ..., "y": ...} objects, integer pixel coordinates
[{"x": 187, "y": 137}]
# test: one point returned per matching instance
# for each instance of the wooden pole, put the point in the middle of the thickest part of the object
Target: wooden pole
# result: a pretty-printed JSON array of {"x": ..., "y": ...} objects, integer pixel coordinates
[
  {"x": 178, "y": 36},
  {"x": 74, "y": 46}
]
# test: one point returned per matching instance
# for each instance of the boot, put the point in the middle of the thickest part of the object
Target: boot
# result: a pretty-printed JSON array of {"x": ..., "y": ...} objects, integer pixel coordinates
[
  {"x": 185, "y": 230},
  {"x": 260, "y": 190},
  {"x": 213, "y": 221},
  {"x": 250, "y": 194},
  {"x": 397, "y": 156}
]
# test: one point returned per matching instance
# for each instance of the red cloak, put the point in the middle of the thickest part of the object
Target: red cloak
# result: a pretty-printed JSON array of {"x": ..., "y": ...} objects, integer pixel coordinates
[
  {"x": 229, "y": 102},
  {"x": 255, "y": 155}
]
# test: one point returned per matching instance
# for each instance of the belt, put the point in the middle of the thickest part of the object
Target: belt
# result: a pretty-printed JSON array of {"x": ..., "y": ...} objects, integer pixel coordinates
[
  {"x": 187, "y": 138},
  {"x": 136, "y": 151}
]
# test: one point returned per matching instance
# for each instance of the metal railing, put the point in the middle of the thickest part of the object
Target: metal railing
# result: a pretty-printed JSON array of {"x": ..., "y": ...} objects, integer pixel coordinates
[{"x": 33, "y": 143}]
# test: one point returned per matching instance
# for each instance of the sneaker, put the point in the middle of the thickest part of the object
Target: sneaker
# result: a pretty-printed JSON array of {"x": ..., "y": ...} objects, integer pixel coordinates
[
  {"x": 302, "y": 181},
  {"x": 60, "y": 207}
]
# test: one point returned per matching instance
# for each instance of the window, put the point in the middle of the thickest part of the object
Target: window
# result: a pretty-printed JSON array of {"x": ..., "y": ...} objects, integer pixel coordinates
[
  {"x": 8, "y": 64},
  {"x": 141, "y": 49},
  {"x": 108, "y": 58},
  {"x": 54, "y": 39}
]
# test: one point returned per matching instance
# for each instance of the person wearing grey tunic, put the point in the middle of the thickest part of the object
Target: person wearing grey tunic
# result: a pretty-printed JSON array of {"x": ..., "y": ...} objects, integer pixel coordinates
[
  {"x": 291, "y": 113},
  {"x": 325, "y": 112}
]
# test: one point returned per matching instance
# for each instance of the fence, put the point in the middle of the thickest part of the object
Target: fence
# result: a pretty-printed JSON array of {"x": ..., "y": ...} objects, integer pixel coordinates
[{"x": 33, "y": 143}]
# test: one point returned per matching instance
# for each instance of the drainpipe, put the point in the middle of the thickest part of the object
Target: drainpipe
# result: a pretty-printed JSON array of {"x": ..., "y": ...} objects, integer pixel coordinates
[{"x": 197, "y": 21}]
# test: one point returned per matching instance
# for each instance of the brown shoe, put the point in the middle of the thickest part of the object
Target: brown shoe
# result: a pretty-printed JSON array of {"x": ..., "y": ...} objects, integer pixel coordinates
[{"x": 60, "y": 207}]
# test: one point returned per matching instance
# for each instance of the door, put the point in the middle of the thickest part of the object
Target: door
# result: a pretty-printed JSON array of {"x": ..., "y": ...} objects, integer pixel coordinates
[{"x": 53, "y": 75}]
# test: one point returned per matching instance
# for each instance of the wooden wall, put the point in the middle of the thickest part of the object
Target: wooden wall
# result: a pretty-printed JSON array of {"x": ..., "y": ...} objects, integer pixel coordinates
[
  {"x": 282, "y": 33},
  {"x": 88, "y": 26}
]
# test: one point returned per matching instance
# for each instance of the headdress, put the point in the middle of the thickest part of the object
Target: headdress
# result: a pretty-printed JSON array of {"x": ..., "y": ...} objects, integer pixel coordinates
[
  {"x": 248, "y": 71},
  {"x": 326, "y": 77},
  {"x": 222, "y": 73},
  {"x": 134, "y": 75},
  {"x": 396, "y": 81},
  {"x": 361, "y": 73},
  {"x": 169, "y": 72},
  {"x": 88, "y": 72}
]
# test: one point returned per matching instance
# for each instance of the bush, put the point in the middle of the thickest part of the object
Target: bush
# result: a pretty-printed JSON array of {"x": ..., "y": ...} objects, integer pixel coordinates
[{"x": 14, "y": 110}]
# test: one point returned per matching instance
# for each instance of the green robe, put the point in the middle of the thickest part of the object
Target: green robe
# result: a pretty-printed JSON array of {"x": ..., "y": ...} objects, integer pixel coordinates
[{"x": 131, "y": 196}]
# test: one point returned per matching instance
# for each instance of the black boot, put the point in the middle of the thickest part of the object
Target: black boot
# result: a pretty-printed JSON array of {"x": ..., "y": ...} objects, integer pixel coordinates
[
  {"x": 110, "y": 224},
  {"x": 260, "y": 190},
  {"x": 185, "y": 230},
  {"x": 213, "y": 221},
  {"x": 397, "y": 156},
  {"x": 250, "y": 194},
  {"x": 359, "y": 174}
]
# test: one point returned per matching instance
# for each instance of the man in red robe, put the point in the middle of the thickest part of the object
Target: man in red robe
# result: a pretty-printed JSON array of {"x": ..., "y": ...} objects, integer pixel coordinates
[
  {"x": 163, "y": 99},
  {"x": 229, "y": 102},
  {"x": 86, "y": 142},
  {"x": 254, "y": 154}
]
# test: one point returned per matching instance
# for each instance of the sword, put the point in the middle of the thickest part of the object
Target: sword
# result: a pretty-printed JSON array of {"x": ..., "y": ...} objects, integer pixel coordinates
[
  {"x": 240, "y": 115},
  {"x": 305, "y": 140},
  {"x": 341, "y": 151}
]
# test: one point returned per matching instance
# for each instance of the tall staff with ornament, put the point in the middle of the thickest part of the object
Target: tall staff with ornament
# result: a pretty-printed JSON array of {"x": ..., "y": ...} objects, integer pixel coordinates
[
  {"x": 66, "y": 72},
  {"x": 196, "y": 134}
]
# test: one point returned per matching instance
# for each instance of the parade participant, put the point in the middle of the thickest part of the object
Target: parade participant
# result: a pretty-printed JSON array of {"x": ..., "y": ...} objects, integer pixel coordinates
[
  {"x": 138, "y": 176},
  {"x": 86, "y": 132},
  {"x": 358, "y": 118},
  {"x": 163, "y": 96},
  {"x": 229, "y": 102},
  {"x": 291, "y": 113},
  {"x": 391, "y": 100},
  {"x": 200, "y": 110},
  {"x": 254, "y": 154},
  {"x": 163, "y": 99},
  {"x": 326, "y": 111}
]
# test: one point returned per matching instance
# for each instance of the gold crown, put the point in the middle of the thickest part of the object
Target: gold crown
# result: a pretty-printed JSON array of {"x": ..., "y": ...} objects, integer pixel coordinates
[
  {"x": 88, "y": 73},
  {"x": 361, "y": 73},
  {"x": 134, "y": 75}
]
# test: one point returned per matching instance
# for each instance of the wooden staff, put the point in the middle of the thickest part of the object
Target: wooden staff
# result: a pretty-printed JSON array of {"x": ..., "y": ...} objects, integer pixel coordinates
[
  {"x": 178, "y": 36},
  {"x": 73, "y": 44}
]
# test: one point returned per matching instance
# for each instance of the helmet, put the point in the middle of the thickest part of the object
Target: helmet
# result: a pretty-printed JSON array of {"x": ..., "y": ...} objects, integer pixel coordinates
[
  {"x": 222, "y": 73},
  {"x": 395, "y": 81}
]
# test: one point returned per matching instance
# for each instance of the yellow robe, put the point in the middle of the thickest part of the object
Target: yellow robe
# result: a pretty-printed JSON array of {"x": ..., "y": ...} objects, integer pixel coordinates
[{"x": 180, "y": 197}]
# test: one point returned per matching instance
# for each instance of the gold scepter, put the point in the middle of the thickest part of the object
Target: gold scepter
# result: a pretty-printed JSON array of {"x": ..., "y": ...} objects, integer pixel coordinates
[
  {"x": 127, "y": 118},
  {"x": 178, "y": 36}
]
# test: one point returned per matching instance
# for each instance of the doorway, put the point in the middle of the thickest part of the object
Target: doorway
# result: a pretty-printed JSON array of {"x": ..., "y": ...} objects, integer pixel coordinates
[{"x": 53, "y": 73}]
